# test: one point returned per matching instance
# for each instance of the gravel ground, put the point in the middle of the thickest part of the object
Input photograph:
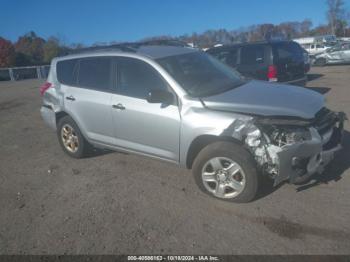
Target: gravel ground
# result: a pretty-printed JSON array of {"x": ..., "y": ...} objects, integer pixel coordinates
[{"x": 114, "y": 203}]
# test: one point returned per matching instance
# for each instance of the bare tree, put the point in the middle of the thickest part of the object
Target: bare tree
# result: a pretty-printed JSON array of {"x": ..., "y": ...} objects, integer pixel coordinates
[
  {"x": 335, "y": 14},
  {"x": 305, "y": 27}
]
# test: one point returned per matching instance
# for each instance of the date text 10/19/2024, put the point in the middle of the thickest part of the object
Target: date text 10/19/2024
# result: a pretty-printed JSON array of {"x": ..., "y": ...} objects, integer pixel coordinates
[{"x": 173, "y": 258}]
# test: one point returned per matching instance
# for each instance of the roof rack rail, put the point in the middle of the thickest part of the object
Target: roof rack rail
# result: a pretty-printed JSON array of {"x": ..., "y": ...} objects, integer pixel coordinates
[
  {"x": 130, "y": 47},
  {"x": 125, "y": 47},
  {"x": 166, "y": 42}
]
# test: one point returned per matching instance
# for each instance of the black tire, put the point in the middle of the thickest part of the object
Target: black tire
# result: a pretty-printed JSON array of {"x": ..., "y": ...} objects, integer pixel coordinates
[
  {"x": 320, "y": 62},
  {"x": 239, "y": 155},
  {"x": 84, "y": 148}
]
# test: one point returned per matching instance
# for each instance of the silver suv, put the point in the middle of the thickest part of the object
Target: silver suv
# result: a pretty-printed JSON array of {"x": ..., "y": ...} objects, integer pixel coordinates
[{"x": 181, "y": 105}]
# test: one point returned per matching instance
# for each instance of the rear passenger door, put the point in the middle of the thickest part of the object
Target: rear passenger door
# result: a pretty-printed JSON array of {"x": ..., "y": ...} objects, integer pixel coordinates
[
  {"x": 153, "y": 129},
  {"x": 253, "y": 61},
  {"x": 88, "y": 100}
]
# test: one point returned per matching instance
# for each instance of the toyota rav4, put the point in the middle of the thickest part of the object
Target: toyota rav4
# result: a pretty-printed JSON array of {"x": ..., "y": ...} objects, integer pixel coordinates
[{"x": 181, "y": 105}]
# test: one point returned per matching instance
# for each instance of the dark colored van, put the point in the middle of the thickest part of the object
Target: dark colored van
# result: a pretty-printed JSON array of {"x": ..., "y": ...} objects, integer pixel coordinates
[{"x": 278, "y": 61}]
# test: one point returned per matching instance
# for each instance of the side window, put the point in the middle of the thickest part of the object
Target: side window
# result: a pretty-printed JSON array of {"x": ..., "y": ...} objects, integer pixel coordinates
[
  {"x": 229, "y": 57},
  {"x": 136, "y": 78},
  {"x": 232, "y": 57},
  {"x": 67, "y": 71},
  {"x": 95, "y": 73},
  {"x": 251, "y": 55},
  {"x": 346, "y": 47},
  {"x": 222, "y": 56}
]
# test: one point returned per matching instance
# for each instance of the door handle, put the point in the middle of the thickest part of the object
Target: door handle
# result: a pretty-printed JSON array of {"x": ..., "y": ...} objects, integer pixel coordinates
[
  {"x": 118, "y": 106},
  {"x": 71, "y": 98}
]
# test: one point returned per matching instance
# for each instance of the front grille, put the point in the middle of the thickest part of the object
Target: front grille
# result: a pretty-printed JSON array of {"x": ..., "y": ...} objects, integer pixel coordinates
[{"x": 324, "y": 121}]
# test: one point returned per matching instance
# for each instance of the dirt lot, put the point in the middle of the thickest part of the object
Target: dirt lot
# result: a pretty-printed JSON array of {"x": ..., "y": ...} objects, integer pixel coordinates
[{"x": 115, "y": 203}]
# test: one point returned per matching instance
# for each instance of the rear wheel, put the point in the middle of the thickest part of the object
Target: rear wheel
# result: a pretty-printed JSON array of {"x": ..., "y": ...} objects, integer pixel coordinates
[
  {"x": 321, "y": 62},
  {"x": 226, "y": 171},
  {"x": 71, "y": 139}
]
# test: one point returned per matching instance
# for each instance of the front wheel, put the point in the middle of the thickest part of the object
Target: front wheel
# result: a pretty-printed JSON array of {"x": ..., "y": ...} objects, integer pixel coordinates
[
  {"x": 226, "y": 171},
  {"x": 320, "y": 62}
]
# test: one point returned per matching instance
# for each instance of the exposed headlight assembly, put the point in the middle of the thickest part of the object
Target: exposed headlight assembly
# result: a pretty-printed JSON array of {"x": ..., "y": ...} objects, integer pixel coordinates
[
  {"x": 285, "y": 136},
  {"x": 285, "y": 131}
]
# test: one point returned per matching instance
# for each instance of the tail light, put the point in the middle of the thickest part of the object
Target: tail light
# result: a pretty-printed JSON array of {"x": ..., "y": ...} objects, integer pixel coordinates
[
  {"x": 272, "y": 73},
  {"x": 44, "y": 87}
]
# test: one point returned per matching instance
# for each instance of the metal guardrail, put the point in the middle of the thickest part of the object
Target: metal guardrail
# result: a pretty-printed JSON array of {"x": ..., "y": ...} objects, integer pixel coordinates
[{"x": 25, "y": 72}]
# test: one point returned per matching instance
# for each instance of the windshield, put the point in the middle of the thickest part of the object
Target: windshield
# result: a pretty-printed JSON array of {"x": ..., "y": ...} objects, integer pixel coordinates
[{"x": 200, "y": 74}]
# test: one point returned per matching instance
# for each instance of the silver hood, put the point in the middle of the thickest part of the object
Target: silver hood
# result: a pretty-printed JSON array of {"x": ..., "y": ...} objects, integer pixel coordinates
[{"x": 268, "y": 99}]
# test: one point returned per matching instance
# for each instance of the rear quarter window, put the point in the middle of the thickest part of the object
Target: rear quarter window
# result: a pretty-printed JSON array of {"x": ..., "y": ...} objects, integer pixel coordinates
[
  {"x": 66, "y": 71},
  {"x": 289, "y": 51}
]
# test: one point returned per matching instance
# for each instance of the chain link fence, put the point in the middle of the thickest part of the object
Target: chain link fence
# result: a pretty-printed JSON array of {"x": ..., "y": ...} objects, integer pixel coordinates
[{"x": 26, "y": 72}]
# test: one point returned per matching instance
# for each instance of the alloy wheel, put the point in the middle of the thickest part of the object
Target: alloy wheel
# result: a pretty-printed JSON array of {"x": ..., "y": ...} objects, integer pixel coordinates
[
  {"x": 223, "y": 177},
  {"x": 69, "y": 138}
]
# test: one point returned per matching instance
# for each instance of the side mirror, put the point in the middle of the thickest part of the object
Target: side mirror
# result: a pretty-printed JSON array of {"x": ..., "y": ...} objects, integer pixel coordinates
[{"x": 160, "y": 96}]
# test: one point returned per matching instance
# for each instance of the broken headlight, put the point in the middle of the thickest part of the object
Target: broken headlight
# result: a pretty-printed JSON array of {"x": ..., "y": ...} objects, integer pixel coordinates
[{"x": 286, "y": 136}]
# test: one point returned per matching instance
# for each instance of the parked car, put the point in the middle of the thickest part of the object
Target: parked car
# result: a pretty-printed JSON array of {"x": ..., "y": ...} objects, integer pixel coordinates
[
  {"x": 315, "y": 49},
  {"x": 183, "y": 106},
  {"x": 339, "y": 54},
  {"x": 320, "y": 39},
  {"x": 316, "y": 44},
  {"x": 277, "y": 61}
]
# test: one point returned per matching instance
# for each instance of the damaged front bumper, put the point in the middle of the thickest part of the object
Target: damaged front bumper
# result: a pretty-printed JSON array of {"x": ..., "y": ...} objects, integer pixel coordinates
[
  {"x": 302, "y": 160},
  {"x": 298, "y": 161}
]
